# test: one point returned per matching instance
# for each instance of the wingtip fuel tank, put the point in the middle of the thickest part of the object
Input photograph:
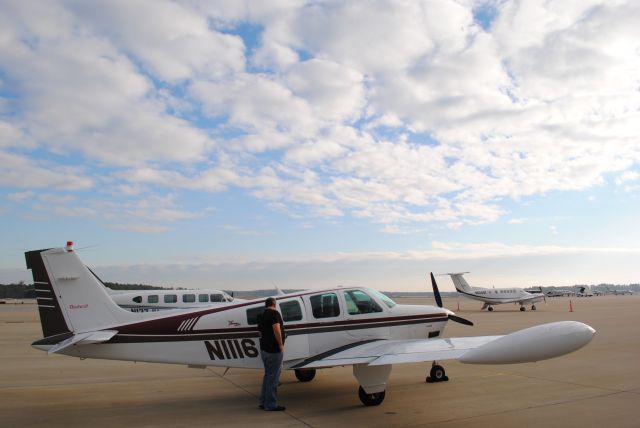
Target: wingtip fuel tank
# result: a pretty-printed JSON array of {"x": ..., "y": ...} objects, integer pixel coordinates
[{"x": 532, "y": 344}]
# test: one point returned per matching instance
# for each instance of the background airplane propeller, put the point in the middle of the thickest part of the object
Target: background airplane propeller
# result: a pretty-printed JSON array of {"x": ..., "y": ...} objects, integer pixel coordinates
[{"x": 436, "y": 295}]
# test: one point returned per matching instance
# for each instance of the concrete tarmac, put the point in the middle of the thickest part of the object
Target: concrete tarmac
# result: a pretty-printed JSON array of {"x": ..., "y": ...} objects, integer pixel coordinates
[{"x": 597, "y": 386}]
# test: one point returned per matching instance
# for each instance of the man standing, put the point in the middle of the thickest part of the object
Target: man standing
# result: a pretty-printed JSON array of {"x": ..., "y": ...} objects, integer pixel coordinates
[{"x": 271, "y": 351}]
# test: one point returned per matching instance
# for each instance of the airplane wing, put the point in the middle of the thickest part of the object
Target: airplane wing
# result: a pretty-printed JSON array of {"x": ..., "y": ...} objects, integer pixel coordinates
[
  {"x": 529, "y": 299},
  {"x": 531, "y": 344},
  {"x": 381, "y": 352}
]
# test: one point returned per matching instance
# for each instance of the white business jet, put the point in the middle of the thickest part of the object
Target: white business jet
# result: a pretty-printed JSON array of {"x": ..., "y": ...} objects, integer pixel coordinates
[
  {"x": 495, "y": 296},
  {"x": 352, "y": 326}
]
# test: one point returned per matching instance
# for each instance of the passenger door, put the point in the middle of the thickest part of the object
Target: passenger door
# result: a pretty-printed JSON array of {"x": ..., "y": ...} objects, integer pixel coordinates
[
  {"x": 366, "y": 316},
  {"x": 293, "y": 315},
  {"x": 324, "y": 315}
]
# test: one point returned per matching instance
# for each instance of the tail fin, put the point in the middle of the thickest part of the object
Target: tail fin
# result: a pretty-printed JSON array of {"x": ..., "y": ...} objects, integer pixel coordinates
[
  {"x": 51, "y": 317},
  {"x": 70, "y": 298},
  {"x": 459, "y": 282}
]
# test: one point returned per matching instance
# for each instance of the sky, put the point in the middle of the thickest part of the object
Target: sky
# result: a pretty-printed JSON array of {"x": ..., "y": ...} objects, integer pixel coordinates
[{"x": 306, "y": 144}]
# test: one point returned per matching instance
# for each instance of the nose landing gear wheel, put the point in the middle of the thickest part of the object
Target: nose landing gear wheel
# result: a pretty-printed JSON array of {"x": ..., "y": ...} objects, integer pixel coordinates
[
  {"x": 437, "y": 374},
  {"x": 533, "y": 307},
  {"x": 371, "y": 399},
  {"x": 305, "y": 375},
  {"x": 490, "y": 308}
]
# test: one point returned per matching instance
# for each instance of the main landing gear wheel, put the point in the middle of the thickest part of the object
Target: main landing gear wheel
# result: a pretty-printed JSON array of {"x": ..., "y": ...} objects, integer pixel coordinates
[
  {"x": 305, "y": 375},
  {"x": 522, "y": 308},
  {"x": 437, "y": 374},
  {"x": 371, "y": 399},
  {"x": 533, "y": 307},
  {"x": 490, "y": 308}
]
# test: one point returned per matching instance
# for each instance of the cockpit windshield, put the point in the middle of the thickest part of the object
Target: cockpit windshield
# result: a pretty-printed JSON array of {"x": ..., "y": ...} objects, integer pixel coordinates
[{"x": 385, "y": 299}]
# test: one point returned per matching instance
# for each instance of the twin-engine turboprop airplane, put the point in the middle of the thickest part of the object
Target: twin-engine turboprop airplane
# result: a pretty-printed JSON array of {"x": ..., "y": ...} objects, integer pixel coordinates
[
  {"x": 495, "y": 296},
  {"x": 335, "y": 327},
  {"x": 159, "y": 300}
]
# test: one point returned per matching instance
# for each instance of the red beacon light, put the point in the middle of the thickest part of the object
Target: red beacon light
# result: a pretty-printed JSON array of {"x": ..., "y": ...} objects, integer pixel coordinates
[{"x": 69, "y": 246}]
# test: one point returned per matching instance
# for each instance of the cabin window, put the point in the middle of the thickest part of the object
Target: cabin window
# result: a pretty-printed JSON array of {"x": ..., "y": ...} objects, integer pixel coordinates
[
  {"x": 385, "y": 299},
  {"x": 325, "y": 305},
  {"x": 291, "y": 311},
  {"x": 253, "y": 314},
  {"x": 217, "y": 298},
  {"x": 137, "y": 299},
  {"x": 203, "y": 298},
  {"x": 152, "y": 298},
  {"x": 170, "y": 298},
  {"x": 188, "y": 298},
  {"x": 359, "y": 302}
]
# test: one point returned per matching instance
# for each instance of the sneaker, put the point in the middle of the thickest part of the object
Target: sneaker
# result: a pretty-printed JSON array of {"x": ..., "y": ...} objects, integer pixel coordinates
[{"x": 276, "y": 409}]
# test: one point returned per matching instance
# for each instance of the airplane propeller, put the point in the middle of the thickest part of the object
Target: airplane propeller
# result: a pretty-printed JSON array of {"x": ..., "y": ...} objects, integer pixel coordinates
[{"x": 436, "y": 295}]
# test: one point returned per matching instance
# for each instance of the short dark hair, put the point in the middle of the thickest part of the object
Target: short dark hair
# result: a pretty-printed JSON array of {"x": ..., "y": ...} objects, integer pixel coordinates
[{"x": 271, "y": 301}]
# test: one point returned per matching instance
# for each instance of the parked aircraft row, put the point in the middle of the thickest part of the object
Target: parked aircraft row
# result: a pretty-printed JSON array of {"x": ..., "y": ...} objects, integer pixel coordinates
[
  {"x": 349, "y": 326},
  {"x": 496, "y": 296}
]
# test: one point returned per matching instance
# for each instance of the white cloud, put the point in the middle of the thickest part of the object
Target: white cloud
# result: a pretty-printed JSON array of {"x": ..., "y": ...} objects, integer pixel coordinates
[
  {"x": 18, "y": 171},
  {"x": 239, "y": 230},
  {"x": 141, "y": 228},
  {"x": 20, "y": 196},
  {"x": 81, "y": 93},
  {"x": 627, "y": 176},
  {"x": 171, "y": 40},
  {"x": 333, "y": 91},
  {"x": 399, "y": 113},
  {"x": 403, "y": 270}
]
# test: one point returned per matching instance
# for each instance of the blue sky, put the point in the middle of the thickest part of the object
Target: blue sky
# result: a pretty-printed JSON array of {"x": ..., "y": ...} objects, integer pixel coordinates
[{"x": 238, "y": 144}]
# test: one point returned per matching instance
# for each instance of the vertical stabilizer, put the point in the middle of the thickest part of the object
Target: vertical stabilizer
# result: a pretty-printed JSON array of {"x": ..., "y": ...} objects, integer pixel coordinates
[
  {"x": 70, "y": 298},
  {"x": 459, "y": 282},
  {"x": 51, "y": 317}
]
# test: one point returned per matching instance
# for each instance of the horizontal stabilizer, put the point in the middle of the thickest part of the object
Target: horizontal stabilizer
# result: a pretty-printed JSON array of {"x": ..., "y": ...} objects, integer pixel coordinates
[{"x": 84, "y": 339}]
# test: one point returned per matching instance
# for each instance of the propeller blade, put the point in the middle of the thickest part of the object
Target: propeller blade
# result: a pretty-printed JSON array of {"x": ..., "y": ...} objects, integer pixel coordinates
[
  {"x": 436, "y": 292},
  {"x": 460, "y": 320}
]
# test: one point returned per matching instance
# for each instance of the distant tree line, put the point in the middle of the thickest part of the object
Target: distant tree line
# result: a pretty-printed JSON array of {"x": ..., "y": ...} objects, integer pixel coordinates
[
  {"x": 118, "y": 286},
  {"x": 27, "y": 291},
  {"x": 17, "y": 291}
]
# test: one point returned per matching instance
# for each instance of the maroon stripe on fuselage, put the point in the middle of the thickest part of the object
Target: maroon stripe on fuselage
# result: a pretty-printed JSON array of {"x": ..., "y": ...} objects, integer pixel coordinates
[{"x": 291, "y": 330}]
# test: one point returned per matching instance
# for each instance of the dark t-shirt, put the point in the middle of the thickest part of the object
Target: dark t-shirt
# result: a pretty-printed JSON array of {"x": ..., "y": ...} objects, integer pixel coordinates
[{"x": 268, "y": 341}]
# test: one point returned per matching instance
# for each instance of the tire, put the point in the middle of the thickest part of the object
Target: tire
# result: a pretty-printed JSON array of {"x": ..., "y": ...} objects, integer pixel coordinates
[
  {"x": 522, "y": 308},
  {"x": 437, "y": 373},
  {"x": 371, "y": 399},
  {"x": 533, "y": 307},
  {"x": 490, "y": 308},
  {"x": 305, "y": 375}
]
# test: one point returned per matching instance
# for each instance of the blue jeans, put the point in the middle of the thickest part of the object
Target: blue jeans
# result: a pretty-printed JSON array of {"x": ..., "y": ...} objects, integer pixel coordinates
[{"x": 272, "y": 368}]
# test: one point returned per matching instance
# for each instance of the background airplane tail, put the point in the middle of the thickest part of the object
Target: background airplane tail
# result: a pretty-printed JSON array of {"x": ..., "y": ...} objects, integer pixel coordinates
[
  {"x": 70, "y": 298},
  {"x": 459, "y": 282}
]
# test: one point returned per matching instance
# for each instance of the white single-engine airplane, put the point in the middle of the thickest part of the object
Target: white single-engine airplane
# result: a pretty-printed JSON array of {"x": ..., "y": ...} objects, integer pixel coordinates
[
  {"x": 335, "y": 327},
  {"x": 495, "y": 296}
]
